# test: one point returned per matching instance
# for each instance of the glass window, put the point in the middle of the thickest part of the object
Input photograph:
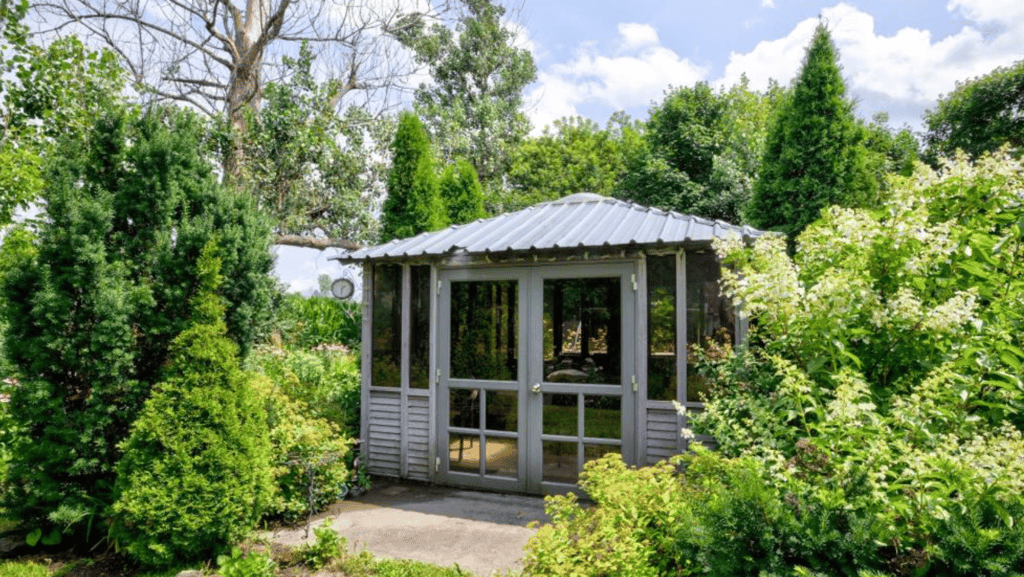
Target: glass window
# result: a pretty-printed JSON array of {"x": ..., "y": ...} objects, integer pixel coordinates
[
  {"x": 710, "y": 316},
  {"x": 419, "y": 328},
  {"x": 661, "y": 328},
  {"x": 386, "y": 363},
  {"x": 582, "y": 331},
  {"x": 484, "y": 330}
]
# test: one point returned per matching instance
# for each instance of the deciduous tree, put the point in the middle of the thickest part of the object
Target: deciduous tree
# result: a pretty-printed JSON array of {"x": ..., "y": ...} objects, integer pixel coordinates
[
  {"x": 474, "y": 106},
  {"x": 217, "y": 55},
  {"x": 980, "y": 115}
]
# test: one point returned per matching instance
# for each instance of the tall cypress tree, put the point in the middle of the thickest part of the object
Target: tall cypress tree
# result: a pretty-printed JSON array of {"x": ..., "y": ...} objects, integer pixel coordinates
[
  {"x": 813, "y": 154},
  {"x": 462, "y": 193},
  {"x": 413, "y": 204}
]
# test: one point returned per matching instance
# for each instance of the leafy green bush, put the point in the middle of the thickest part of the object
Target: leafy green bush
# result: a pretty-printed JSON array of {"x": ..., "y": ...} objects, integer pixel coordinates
[
  {"x": 327, "y": 382},
  {"x": 874, "y": 425},
  {"x": 634, "y": 528},
  {"x": 92, "y": 301},
  {"x": 252, "y": 564},
  {"x": 327, "y": 547},
  {"x": 196, "y": 474},
  {"x": 16, "y": 569},
  {"x": 309, "y": 322},
  {"x": 311, "y": 458}
]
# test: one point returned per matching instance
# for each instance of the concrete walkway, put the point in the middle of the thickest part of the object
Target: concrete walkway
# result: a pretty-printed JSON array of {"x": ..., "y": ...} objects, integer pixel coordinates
[{"x": 481, "y": 532}]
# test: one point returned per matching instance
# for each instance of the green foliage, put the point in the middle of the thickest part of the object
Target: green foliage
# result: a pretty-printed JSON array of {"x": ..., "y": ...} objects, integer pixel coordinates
[
  {"x": 413, "y": 204},
  {"x": 461, "y": 193},
  {"x": 474, "y": 106},
  {"x": 327, "y": 381},
  {"x": 632, "y": 529},
  {"x": 575, "y": 156},
  {"x": 981, "y": 115},
  {"x": 91, "y": 310},
  {"x": 52, "y": 92},
  {"x": 813, "y": 156},
  {"x": 703, "y": 151},
  {"x": 312, "y": 460},
  {"x": 251, "y": 564},
  {"x": 312, "y": 322},
  {"x": 18, "y": 569},
  {"x": 195, "y": 476},
  {"x": 310, "y": 166},
  {"x": 327, "y": 547}
]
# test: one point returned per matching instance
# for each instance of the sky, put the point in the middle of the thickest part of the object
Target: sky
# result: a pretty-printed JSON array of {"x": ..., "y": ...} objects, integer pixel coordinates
[{"x": 595, "y": 57}]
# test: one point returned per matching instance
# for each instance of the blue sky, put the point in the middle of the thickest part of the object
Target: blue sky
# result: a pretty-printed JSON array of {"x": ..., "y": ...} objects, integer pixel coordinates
[{"x": 598, "y": 56}]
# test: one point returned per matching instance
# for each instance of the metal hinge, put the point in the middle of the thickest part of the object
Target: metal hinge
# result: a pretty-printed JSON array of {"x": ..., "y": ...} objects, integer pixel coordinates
[
  {"x": 438, "y": 287},
  {"x": 437, "y": 464},
  {"x": 636, "y": 387},
  {"x": 634, "y": 282},
  {"x": 437, "y": 377}
]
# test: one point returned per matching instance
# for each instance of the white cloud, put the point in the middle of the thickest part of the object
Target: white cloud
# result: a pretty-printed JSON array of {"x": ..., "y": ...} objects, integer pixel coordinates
[
  {"x": 633, "y": 71},
  {"x": 767, "y": 4},
  {"x": 908, "y": 67}
]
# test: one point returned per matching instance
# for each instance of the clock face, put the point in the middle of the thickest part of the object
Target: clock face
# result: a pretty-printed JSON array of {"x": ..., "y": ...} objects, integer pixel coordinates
[{"x": 342, "y": 288}]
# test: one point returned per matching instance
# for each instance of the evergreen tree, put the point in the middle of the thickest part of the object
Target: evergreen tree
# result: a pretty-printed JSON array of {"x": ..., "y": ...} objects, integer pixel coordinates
[
  {"x": 813, "y": 155},
  {"x": 92, "y": 307},
  {"x": 461, "y": 192},
  {"x": 413, "y": 204},
  {"x": 195, "y": 476}
]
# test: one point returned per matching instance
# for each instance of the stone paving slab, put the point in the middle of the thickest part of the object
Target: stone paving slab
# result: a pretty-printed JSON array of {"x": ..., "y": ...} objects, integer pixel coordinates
[{"x": 481, "y": 532}]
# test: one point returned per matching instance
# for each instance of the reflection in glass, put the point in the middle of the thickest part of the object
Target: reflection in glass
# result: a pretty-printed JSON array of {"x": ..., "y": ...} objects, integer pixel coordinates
[
  {"x": 602, "y": 416},
  {"x": 582, "y": 330},
  {"x": 502, "y": 411},
  {"x": 484, "y": 323},
  {"x": 385, "y": 366},
  {"x": 560, "y": 415},
  {"x": 661, "y": 328},
  {"x": 464, "y": 453},
  {"x": 464, "y": 408},
  {"x": 419, "y": 328},
  {"x": 560, "y": 462},
  {"x": 502, "y": 456},
  {"x": 710, "y": 316}
]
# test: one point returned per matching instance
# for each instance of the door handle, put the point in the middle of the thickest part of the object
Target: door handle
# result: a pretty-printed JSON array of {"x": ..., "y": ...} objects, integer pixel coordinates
[{"x": 536, "y": 389}]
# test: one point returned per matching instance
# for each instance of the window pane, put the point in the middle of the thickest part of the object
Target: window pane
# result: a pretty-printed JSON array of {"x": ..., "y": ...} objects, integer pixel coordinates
[
  {"x": 464, "y": 408},
  {"x": 594, "y": 452},
  {"x": 484, "y": 330},
  {"x": 560, "y": 416},
  {"x": 602, "y": 417},
  {"x": 502, "y": 456},
  {"x": 502, "y": 411},
  {"x": 560, "y": 462},
  {"x": 661, "y": 328},
  {"x": 387, "y": 326},
  {"x": 710, "y": 316},
  {"x": 582, "y": 330},
  {"x": 464, "y": 453},
  {"x": 419, "y": 329}
]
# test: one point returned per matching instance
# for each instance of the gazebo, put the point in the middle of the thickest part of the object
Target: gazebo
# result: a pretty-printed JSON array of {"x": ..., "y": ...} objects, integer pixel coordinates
[{"x": 505, "y": 353}]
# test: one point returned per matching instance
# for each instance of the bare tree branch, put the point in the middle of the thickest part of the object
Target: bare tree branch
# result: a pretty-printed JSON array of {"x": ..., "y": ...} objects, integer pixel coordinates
[{"x": 315, "y": 242}]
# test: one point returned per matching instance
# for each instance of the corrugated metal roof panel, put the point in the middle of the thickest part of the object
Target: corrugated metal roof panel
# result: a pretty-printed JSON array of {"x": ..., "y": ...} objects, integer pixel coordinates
[{"x": 579, "y": 221}]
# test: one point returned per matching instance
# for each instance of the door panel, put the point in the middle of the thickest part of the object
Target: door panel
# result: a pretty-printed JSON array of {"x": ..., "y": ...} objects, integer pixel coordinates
[{"x": 535, "y": 373}]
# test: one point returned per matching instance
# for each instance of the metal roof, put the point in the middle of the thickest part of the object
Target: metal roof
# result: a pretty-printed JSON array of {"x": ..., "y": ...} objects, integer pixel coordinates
[{"x": 579, "y": 221}]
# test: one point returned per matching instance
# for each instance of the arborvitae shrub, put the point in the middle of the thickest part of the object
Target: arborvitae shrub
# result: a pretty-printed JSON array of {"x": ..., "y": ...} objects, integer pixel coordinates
[{"x": 195, "y": 476}]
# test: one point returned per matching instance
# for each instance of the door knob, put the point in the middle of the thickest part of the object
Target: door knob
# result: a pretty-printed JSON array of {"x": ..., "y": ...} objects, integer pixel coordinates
[{"x": 536, "y": 388}]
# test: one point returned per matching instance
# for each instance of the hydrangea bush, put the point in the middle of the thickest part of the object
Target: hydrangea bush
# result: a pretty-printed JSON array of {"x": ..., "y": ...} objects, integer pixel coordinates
[{"x": 873, "y": 425}]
